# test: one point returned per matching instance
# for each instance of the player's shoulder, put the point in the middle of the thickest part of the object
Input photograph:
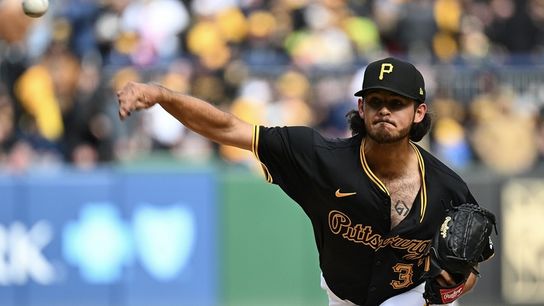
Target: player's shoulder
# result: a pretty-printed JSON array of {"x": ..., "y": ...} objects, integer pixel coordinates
[
  {"x": 338, "y": 143},
  {"x": 435, "y": 165},
  {"x": 317, "y": 138}
]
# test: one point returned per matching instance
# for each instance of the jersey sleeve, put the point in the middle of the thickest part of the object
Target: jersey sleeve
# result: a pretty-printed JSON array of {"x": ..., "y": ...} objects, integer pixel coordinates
[
  {"x": 470, "y": 198},
  {"x": 286, "y": 153}
]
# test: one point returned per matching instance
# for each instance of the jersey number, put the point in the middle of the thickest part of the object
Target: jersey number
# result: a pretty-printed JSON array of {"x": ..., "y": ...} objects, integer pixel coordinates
[{"x": 405, "y": 276}]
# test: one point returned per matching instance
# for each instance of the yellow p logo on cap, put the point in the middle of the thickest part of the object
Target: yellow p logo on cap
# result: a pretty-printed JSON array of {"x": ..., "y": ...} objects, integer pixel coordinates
[{"x": 386, "y": 68}]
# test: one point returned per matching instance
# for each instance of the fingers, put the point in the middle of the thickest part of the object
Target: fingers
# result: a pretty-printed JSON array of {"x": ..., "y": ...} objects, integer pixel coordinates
[
  {"x": 123, "y": 114},
  {"x": 445, "y": 279},
  {"x": 125, "y": 101},
  {"x": 133, "y": 97},
  {"x": 124, "y": 111}
]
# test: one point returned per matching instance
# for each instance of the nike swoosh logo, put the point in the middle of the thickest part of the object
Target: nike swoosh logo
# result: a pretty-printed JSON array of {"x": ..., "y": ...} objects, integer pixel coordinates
[{"x": 339, "y": 194}]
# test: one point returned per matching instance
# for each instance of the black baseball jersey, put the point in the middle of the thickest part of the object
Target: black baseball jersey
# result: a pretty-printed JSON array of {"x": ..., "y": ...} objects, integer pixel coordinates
[{"x": 361, "y": 257}]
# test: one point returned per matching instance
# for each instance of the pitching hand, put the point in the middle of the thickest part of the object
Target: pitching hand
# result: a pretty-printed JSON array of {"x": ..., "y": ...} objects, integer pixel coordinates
[{"x": 136, "y": 96}]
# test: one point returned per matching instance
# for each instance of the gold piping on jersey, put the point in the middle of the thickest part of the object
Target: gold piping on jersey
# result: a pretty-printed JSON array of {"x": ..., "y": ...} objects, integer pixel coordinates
[
  {"x": 427, "y": 266},
  {"x": 254, "y": 147},
  {"x": 369, "y": 172},
  {"x": 255, "y": 141},
  {"x": 423, "y": 197},
  {"x": 381, "y": 185}
]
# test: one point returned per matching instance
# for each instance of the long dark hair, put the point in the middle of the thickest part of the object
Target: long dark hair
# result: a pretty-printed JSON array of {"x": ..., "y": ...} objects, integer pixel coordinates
[{"x": 418, "y": 130}]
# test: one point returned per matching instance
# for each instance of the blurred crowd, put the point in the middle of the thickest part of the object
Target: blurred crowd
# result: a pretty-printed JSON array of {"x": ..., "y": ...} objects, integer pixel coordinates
[{"x": 283, "y": 62}]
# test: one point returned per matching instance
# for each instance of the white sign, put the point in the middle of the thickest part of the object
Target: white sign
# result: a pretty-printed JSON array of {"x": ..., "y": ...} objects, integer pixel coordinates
[{"x": 21, "y": 255}]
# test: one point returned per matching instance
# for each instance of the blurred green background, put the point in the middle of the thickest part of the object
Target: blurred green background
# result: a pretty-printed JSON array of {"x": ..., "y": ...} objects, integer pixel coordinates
[{"x": 270, "y": 256}]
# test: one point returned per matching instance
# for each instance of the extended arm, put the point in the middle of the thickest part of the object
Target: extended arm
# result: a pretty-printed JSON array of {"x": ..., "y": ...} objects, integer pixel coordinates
[{"x": 197, "y": 115}]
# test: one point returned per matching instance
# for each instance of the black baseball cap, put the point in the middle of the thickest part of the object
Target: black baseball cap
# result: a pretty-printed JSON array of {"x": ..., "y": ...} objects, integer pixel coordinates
[{"x": 394, "y": 75}]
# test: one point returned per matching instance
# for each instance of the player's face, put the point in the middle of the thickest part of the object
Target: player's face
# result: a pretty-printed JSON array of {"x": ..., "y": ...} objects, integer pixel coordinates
[{"x": 388, "y": 116}]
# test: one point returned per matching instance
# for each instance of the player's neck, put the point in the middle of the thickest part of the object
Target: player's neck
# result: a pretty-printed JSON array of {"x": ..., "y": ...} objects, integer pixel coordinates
[{"x": 389, "y": 160}]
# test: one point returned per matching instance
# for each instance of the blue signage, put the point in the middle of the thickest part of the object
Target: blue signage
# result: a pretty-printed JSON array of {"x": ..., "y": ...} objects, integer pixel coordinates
[
  {"x": 107, "y": 238},
  {"x": 99, "y": 243}
]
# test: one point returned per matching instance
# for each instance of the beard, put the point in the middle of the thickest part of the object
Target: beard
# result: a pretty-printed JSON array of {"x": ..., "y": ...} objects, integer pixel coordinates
[{"x": 383, "y": 135}]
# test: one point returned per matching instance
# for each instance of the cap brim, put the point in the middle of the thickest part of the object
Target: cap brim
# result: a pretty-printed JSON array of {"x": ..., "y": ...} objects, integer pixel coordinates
[{"x": 360, "y": 93}]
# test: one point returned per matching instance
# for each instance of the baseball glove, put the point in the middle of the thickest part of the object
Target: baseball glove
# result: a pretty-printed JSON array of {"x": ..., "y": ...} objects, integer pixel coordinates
[{"x": 461, "y": 243}]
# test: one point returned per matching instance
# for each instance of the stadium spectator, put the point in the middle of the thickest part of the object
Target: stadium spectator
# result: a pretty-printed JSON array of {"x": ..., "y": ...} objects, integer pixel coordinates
[{"x": 306, "y": 52}]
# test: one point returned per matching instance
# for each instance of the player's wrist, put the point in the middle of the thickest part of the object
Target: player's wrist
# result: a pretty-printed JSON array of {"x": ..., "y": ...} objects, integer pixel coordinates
[{"x": 157, "y": 94}]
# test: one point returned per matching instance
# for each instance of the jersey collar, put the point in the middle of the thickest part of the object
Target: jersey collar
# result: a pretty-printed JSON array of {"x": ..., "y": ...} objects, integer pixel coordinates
[{"x": 381, "y": 185}]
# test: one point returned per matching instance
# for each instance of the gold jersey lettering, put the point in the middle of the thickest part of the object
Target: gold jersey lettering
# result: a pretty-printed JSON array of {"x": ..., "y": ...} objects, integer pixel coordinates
[{"x": 340, "y": 224}]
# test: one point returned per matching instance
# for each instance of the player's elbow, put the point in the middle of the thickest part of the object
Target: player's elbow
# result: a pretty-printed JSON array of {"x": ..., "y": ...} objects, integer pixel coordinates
[{"x": 234, "y": 132}]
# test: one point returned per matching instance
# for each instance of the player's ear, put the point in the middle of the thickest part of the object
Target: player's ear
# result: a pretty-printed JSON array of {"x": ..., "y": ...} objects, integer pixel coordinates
[
  {"x": 421, "y": 110},
  {"x": 360, "y": 103}
]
